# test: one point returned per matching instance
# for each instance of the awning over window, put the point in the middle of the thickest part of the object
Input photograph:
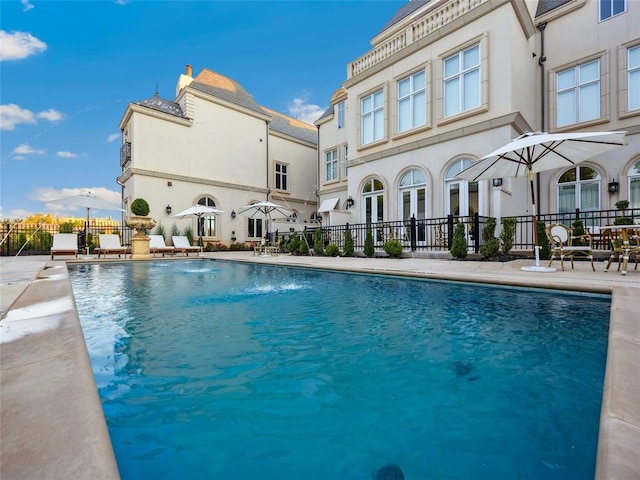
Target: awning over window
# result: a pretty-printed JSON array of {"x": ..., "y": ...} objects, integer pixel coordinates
[{"x": 328, "y": 205}]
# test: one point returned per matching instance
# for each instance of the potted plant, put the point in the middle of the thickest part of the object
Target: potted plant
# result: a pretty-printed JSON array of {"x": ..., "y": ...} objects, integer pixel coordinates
[
  {"x": 141, "y": 222},
  {"x": 233, "y": 235}
]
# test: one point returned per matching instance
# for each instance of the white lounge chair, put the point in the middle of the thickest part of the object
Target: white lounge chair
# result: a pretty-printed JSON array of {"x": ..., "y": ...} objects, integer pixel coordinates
[
  {"x": 64, "y": 244},
  {"x": 181, "y": 245},
  {"x": 110, "y": 243},
  {"x": 158, "y": 245}
]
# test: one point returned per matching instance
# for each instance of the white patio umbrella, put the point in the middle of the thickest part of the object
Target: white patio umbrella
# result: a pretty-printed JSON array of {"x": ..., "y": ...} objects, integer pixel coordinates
[
  {"x": 198, "y": 211},
  {"x": 86, "y": 200},
  {"x": 268, "y": 209},
  {"x": 535, "y": 152}
]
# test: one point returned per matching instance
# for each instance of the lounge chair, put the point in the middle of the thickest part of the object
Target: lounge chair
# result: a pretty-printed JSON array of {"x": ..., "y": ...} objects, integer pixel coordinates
[
  {"x": 561, "y": 242},
  {"x": 158, "y": 245},
  {"x": 110, "y": 243},
  {"x": 181, "y": 245},
  {"x": 64, "y": 244}
]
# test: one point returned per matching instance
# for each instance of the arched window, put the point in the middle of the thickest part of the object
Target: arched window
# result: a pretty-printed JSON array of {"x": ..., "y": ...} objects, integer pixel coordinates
[
  {"x": 579, "y": 187},
  {"x": 373, "y": 201},
  {"x": 634, "y": 185},
  {"x": 206, "y": 225},
  {"x": 461, "y": 196},
  {"x": 254, "y": 225},
  {"x": 412, "y": 195}
]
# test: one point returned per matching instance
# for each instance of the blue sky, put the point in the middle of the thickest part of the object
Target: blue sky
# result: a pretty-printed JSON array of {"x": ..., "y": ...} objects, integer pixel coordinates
[{"x": 69, "y": 69}]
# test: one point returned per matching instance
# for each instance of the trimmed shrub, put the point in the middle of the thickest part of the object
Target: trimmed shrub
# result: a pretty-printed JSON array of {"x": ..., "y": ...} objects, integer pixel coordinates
[
  {"x": 543, "y": 241},
  {"x": 66, "y": 227},
  {"x": 508, "y": 234},
  {"x": 368, "y": 249},
  {"x": 393, "y": 248},
  {"x": 491, "y": 245},
  {"x": 623, "y": 221},
  {"x": 140, "y": 207},
  {"x": 622, "y": 205},
  {"x": 332, "y": 250},
  {"x": 349, "y": 248},
  {"x": 294, "y": 244},
  {"x": 317, "y": 242},
  {"x": 459, "y": 245}
]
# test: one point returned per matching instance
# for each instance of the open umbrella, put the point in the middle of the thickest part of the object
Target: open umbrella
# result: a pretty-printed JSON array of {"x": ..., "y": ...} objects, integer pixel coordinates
[
  {"x": 198, "y": 211},
  {"x": 535, "y": 152},
  {"x": 89, "y": 201},
  {"x": 267, "y": 209}
]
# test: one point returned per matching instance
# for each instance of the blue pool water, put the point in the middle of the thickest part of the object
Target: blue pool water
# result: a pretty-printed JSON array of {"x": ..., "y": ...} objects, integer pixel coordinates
[{"x": 210, "y": 369}]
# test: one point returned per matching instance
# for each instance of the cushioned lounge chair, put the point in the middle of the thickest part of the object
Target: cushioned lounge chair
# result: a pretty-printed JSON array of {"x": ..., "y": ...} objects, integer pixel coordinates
[
  {"x": 181, "y": 245},
  {"x": 562, "y": 244},
  {"x": 64, "y": 244},
  {"x": 158, "y": 245},
  {"x": 110, "y": 243}
]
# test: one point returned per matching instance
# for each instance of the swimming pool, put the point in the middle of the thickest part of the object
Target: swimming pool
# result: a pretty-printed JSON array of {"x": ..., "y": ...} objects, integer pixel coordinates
[{"x": 220, "y": 370}]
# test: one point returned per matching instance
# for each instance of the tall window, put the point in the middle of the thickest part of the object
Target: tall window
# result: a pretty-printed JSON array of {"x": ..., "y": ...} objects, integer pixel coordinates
[
  {"x": 578, "y": 94},
  {"x": 331, "y": 165},
  {"x": 413, "y": 195},
  {"x": 345, "y": 158},
  {"x": 462, "y": 81},
  {"x": 372, "y": 117},
  {"x": 633, "y": 77},
  {"x": 634, "y": 185},
  {"x": 206, "y": 225},
  {"x": 610, "y": 8},
  {"x": 579, "y": 187},
  {"x": 341, "y": 111},
  {"x": 281, "y": 176},
  {"x": 412, "y": 102},
  {"x": 461, "y": 196},
  {"x": 373, "y": 201}
]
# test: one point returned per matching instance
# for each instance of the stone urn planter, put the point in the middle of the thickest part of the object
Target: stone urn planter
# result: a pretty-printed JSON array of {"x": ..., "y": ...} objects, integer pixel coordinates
[{"x": 141, "y": 223}]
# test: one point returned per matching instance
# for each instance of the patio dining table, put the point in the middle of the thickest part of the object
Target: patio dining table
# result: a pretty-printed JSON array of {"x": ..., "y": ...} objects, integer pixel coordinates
[{"x": 627, "y": 247}]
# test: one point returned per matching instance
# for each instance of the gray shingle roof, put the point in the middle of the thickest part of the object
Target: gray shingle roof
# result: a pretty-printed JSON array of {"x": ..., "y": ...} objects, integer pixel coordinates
[
  {"x": 290, "y": 126},
  {"x": 545, "y": 6},
  {"x": 329, "y": 111},
  {"x": 162, "y": 105},
  {"x": 407, "y": 9},
  {"x": 224, "y": 88}
]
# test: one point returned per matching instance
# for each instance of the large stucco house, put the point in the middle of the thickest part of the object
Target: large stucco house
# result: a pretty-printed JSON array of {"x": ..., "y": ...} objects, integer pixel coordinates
[
  {"x": 214, "y": 145},
  {"x": 449, "y": 81}
]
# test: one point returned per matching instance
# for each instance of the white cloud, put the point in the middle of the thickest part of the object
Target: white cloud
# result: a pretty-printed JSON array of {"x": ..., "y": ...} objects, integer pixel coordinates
[
  {"x": 19, "y": 45},
  {"x": 112, "y": 137},
  {"x": 303, "y": 111},
  {"x": 24, "y": 149},
  {"x": 12, "y": 115},
  {"x": 66, "y": 155},
  {"x": 49, "y": 196},
  {"x": 27, "y": 6}
]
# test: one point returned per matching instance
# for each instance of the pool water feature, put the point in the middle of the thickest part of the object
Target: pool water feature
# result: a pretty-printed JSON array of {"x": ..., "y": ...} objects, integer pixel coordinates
[{"x": 212, "y": 369}]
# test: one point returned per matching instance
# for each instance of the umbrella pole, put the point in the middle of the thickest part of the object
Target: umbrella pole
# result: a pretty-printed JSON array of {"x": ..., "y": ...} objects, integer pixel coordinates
[{"x": 86, "y": 232}]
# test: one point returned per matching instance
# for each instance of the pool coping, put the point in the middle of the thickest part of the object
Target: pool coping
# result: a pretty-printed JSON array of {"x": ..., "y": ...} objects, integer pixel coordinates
[{"x": 52, "y": 424}]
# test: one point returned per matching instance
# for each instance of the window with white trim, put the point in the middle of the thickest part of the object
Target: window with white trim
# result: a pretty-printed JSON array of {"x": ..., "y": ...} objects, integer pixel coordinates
[
  {"x": 611, "y": 8},
  {"x": 412, "y": 101},
  {"x": 331, "y": 165},
  {"x": 206, "y": 224},
  {"x": 580, "y": 188},
  {"x": 372, "y": 117},
  {"x": 462, "y": 81},
  {"x": 578, "y": 94},
  {"x": 345, "y": 158},
  {"x": 340, "y": 107},
  {"x": 634, "y": 185},
  {"x": 633, "y": 78},
  {"x": 281, "y": 176}
]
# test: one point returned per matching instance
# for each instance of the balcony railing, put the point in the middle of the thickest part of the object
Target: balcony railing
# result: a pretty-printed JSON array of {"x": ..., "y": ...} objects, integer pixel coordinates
[
  {"x": 449, "y": 12},
  {"x": 125, "y": 154}
]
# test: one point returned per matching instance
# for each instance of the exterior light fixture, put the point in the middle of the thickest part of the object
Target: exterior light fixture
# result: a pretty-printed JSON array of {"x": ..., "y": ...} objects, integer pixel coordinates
[
  {"x": 168, "y": 209},
  {"x": 350, "y": 202},
  {"x": 497, "y": 182},
  {"x": 613, "y": 187},
  {"x": 233, "y": 214}
]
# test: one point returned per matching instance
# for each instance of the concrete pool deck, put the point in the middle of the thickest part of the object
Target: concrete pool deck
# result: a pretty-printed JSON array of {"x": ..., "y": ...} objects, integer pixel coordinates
[{"x": 51, "y": 421}]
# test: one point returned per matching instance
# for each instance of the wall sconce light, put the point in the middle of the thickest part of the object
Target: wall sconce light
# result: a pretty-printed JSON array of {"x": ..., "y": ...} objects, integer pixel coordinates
[
  {"x": 613, "y": 187},
  {"x": 168, "y": 209},
  {"x": 233, "y": 214},
  {"x": 350, "y": 202},
  {"x": 497, "y": 182}
]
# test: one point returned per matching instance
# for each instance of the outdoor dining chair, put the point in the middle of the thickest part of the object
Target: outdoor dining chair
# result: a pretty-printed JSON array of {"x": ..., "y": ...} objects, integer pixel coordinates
[
  {"x": 563, "y": 244},
  {"x": 64, "y": 244}
]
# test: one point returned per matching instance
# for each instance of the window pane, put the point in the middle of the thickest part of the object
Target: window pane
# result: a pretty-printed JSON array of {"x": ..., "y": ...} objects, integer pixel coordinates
[
  {"x": 366, "y": 104},
  {"x": 422, "y": 195},
  {"x": 451, "y": 66},
  {"x": 588, "y": 173},
  {"x": 618, "y": 6},
  {"x": 378, "y": 124},
  {"x": 451, "y": 97},
  {"x": 568, "y": 176},
  {"x": 377, "y": 99},
  {"x": 404, "y": 115},
  {"x": 567, "y": 198},
  {"x": 634, "y": 90},
  {"x": 418, "y": 177},
  {"x": 471, "y": 58},
  {"x": 589, "y": 197},
  {"x": 404, "y": 88},
  {"x": 605, "y": 9},
  {"x": 405, "y": 180},
  {"x": 566, "y": 114},
  {"x": 566, "y": 79},
  {"x": 589, "y": 102},
  {"x": 589, "y": 72},
  {"x": 472, "y": 89},
  {"x": 367, "y": 131},
  {"x": 419, "y": 81},
  {"x": 377, "y": 185},
  {"x": 419, "y": 109},
  {"x": 634, "y": 192},
  {"x": 634, "y": 57},
  {"x": 406, "y": 205}
]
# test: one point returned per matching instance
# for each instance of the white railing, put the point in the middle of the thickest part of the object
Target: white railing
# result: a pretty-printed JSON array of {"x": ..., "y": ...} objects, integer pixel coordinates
[{"x": 422, "y": 27}]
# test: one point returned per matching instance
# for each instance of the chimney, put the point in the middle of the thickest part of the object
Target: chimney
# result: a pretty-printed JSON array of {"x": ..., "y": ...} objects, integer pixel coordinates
[{"x": 189, "y": 71}]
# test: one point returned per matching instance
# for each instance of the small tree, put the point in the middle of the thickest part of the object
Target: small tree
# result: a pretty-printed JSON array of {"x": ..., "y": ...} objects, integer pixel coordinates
[
  {"x": 459, "y": 245},
  {"x": 393, "y": 248},
  {"x": 332, "y": 250},
  {"x": 508, "y": 234},
  {"x": 317, "y": 242},
  {"x": 140, "y": 207},
  {"x": 368, "y": 249},
  {"x": 304, "y": 245},
  {"x": 543, "y": 241},
  {"x": 349, "y": 248},
  {"x": 491, "y": 244},
  {"x": 294, "y": 244}
]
